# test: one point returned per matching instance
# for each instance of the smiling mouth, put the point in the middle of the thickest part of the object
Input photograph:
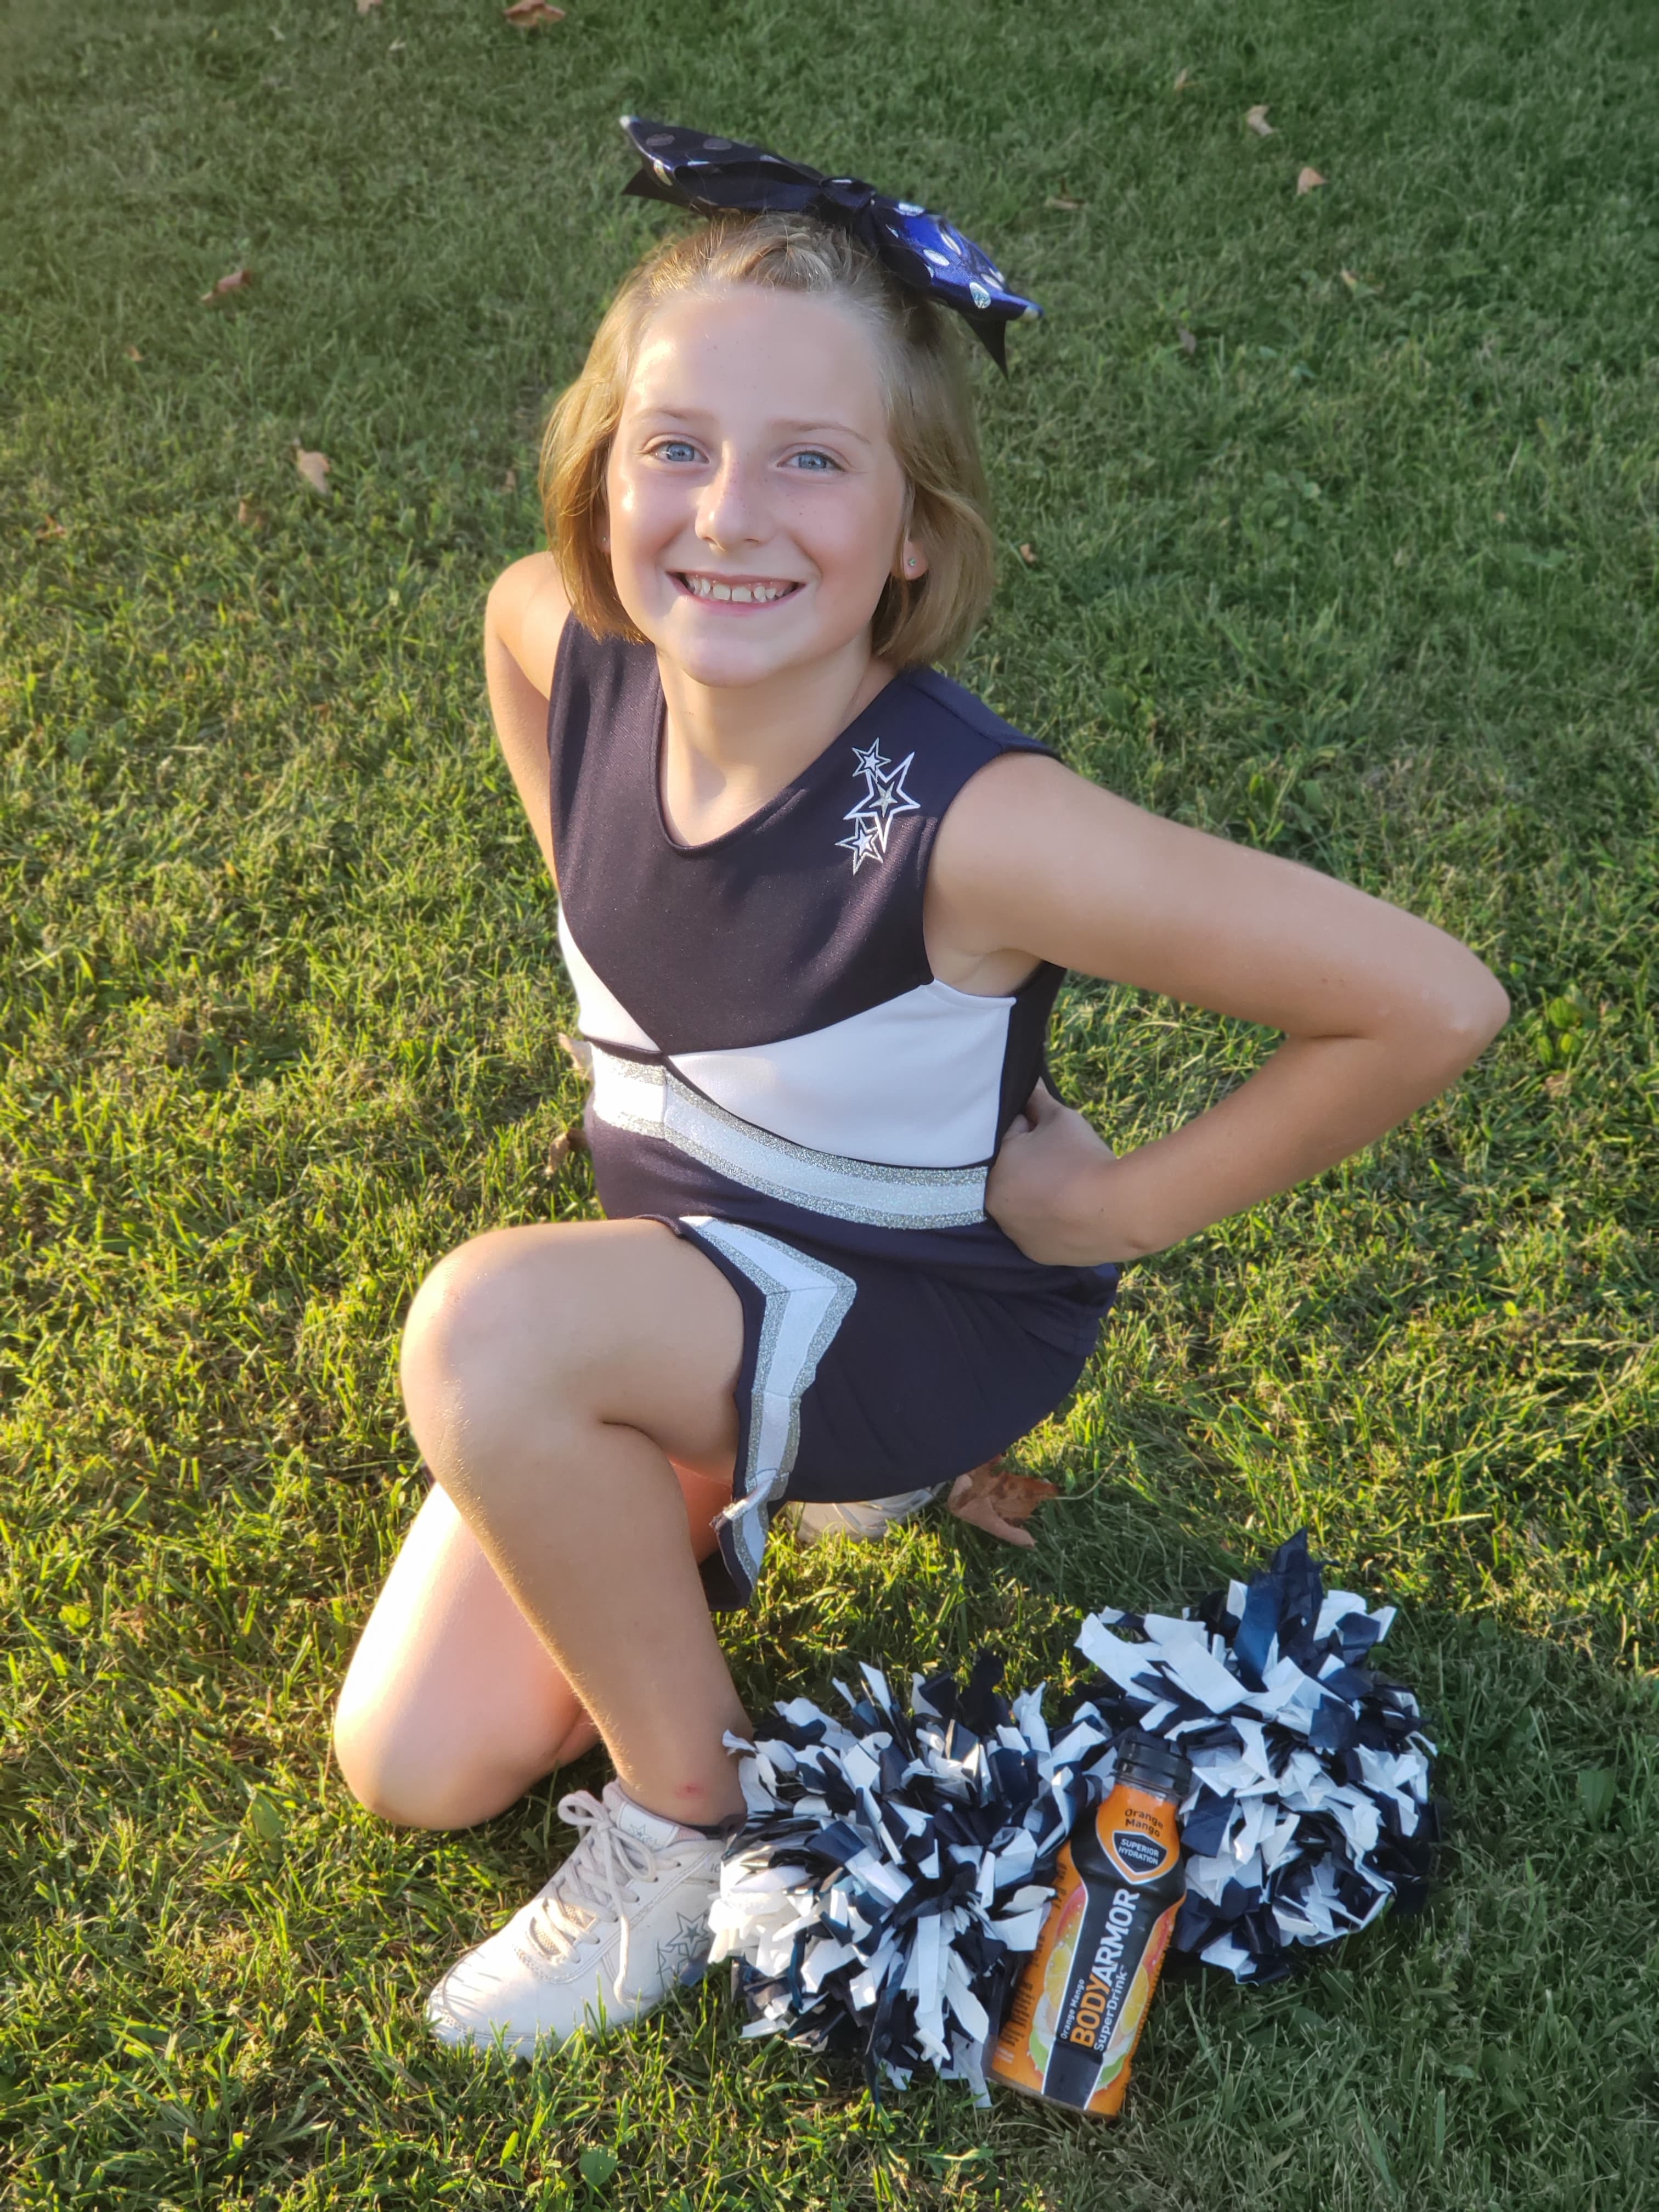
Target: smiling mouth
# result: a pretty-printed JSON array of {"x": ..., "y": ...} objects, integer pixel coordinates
[{"x": 736, "y": 591}]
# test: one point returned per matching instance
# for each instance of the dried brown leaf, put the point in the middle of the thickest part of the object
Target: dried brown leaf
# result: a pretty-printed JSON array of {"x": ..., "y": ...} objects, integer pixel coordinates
[
  {"x": 314, "y": 467},
  {"x": 1064, "y": 201},
  {"x": 238, "y": 281},
  {"x": 51, "y": 528},
  {"x": 997, "y": 1499},
  {"x": 579, "y": 1052},
  {"x": 133, "y": 353},
  {"x": 366, "y": 7},
  {"x": 1185, "y": 339},
  {"x": 1308, "y": 181},
  {"x": 1183, "y": 78},
  {"x": 526, "y": 14},
  {"x": 1028, "y": 554},
  {"x": 569, "y": 1141},
  {"x": 249, "y": 515},
  {"x": 1257, "y": 120},
  {"x": 510, "y": 481}
]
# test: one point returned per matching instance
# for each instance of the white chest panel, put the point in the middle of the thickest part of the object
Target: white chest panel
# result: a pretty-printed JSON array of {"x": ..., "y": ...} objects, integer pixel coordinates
[{"x": 915, "y": 1082}]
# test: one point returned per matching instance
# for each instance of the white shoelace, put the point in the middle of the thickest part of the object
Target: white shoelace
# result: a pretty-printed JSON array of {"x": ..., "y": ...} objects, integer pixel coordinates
[{"x": 597, "y": 1881}]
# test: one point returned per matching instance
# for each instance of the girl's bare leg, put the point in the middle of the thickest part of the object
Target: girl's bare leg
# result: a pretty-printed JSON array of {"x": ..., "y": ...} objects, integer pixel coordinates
[
  {"x": 550, "y": 1375},
  {"x": 452, "y": 1706}
]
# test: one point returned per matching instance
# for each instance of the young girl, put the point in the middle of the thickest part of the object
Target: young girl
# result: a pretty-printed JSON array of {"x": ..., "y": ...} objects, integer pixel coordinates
[{"x": 816, "y": 900}]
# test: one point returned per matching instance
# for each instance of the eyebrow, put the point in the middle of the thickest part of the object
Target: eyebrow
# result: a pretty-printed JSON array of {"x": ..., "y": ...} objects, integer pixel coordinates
[
  {"x": 836, "y": 429},
  {"x": 802, "y": 429}
]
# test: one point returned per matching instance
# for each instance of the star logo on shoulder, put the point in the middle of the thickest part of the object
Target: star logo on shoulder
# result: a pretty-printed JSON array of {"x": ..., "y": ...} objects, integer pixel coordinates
[
  {"x": 866, "y": 843},
  {"x": 883, "y": 797}
]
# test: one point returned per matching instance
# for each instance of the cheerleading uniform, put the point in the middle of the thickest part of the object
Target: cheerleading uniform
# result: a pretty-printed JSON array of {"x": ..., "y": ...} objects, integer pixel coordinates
[{"x": 780, "y": 1076}]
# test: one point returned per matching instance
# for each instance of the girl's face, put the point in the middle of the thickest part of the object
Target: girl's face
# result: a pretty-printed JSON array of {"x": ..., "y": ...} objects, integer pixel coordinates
[{"x": 755, "y": 504}]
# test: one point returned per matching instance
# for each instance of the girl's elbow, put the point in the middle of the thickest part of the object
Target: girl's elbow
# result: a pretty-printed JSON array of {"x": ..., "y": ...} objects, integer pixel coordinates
[
  {"x": 1474, "y": 1014},
  {"x": 1489, "y": 1007}
]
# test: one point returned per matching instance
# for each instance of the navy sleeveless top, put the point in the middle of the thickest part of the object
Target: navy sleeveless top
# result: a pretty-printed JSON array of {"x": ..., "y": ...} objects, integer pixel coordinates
[{"x": 771, "y": 1046}]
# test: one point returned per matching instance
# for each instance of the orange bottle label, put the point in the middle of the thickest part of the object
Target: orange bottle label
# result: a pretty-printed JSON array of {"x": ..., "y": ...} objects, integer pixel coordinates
[{"x": 1080, "y": 2006}]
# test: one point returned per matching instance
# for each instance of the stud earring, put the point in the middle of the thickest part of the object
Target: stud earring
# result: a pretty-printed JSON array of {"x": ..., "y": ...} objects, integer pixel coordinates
[{"x": 911, "y": 561}]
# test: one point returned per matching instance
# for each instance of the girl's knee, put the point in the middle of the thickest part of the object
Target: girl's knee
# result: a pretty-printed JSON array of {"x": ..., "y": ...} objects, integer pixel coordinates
[
  {"x": 392, "y": 1772},
  {"x": 459, "y": 1307},
  {"x": 488, "y": 1325},
  {"x": 363, "y": 1754}
]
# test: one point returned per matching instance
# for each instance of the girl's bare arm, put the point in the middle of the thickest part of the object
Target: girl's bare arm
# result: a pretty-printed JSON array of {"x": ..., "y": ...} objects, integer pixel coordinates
[
  {"x": 1378, "y": 1010},
  {"x": 523, "y": 620}
]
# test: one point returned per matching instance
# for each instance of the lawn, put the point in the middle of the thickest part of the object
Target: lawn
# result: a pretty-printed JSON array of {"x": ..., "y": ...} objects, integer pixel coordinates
[{"x": 1343, "y": 509}]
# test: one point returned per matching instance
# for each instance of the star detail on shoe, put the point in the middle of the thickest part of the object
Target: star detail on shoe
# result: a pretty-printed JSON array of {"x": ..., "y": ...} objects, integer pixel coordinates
[
  {"x": 883, "y": 797},
  {"x": 685, "y": 1953}
]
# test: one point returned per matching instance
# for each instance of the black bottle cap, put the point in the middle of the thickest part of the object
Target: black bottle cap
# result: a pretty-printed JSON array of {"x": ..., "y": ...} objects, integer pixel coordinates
[{"x": 1152, "y": 1764}]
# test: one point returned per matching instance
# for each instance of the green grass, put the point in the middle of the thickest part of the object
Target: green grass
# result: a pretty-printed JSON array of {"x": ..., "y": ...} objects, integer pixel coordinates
[{"x": 1367, "y": 575}]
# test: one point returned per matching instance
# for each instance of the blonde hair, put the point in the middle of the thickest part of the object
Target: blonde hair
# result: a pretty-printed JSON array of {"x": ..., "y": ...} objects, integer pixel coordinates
[{"x": 929, "y": 409}]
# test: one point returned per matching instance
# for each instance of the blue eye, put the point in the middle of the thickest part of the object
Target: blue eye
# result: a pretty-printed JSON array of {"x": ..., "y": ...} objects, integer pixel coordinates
[
  {"x": 675, "y": 449},
  {"x": 814, "y": 463}
]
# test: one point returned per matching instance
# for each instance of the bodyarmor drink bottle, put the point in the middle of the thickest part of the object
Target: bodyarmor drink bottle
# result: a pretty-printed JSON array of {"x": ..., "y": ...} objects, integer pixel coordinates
[{"x": 1078, "y": 2008}]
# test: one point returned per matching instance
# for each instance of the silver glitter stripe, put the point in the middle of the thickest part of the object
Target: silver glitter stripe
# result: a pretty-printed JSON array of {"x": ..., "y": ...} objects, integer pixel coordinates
[
  {"x": 651, "y": 1101},
  {"x": 796, "y": 1293}
]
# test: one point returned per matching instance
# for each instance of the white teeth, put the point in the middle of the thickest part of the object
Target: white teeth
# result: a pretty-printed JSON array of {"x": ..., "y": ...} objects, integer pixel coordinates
[{"x": 709, "y": 587}]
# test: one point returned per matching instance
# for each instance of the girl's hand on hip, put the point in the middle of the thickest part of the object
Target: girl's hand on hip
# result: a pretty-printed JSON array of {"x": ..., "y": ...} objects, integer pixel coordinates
[{"x": 1046, "y": 1187}]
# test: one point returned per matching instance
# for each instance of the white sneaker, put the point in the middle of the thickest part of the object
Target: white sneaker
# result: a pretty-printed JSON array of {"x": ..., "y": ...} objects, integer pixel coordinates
[
  {"x": 865, "y": 1519},
  {"x": 623, "y": 1922}
]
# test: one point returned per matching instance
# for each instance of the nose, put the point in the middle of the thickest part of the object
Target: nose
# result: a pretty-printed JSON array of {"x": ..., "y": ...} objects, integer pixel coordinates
[{"x": 731, "y": 512}]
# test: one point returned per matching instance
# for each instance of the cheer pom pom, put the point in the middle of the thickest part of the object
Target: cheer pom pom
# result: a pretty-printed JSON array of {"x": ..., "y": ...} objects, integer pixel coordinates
[
  {"x": 1309, "y": 1811},
  {"x": 894, "y": 1868},
  {"x": 896, "y": 1865}
]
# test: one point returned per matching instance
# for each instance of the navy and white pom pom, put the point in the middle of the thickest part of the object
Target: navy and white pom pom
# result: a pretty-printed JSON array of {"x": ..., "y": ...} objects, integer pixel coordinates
[
  {"x": 1309, "y": 1811},
  {"x": 894, "y": 1867}
]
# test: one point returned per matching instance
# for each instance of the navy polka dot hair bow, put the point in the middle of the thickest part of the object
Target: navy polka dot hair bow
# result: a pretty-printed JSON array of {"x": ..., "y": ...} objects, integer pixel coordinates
[{"x": 722, "y": 176}]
